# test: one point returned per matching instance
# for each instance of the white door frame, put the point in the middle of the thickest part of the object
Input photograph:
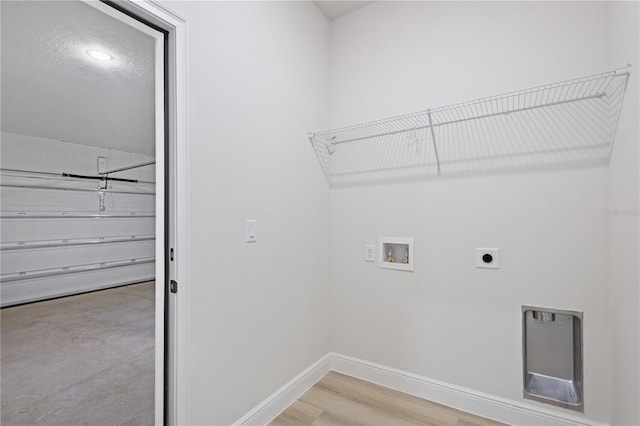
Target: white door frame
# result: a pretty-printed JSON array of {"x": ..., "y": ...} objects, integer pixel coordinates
[
  {"x": 178, "y": 324},
  {"x": 177, "y": 162}
]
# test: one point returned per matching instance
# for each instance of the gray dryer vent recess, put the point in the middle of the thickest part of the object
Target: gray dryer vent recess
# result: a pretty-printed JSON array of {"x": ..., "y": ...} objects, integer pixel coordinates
[{"x": 552, "y": 356}]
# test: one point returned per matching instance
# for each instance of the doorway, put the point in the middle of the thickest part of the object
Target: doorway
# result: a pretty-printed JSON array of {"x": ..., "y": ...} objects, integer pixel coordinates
[{"x": 49, "y": 227}]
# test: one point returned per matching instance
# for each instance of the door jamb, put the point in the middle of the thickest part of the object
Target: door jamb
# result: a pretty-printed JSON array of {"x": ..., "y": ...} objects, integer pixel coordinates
[{"x": 174, "y": 409}]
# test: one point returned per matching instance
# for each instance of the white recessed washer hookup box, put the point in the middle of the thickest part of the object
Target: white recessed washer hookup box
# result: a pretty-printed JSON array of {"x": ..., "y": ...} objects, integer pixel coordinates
[{"x": 395, "y": 253}]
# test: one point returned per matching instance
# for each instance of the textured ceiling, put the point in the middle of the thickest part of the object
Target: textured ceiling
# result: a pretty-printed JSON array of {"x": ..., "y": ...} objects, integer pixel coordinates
[
  {"x": 51, "y": 88},
  {"x": 334, "y": 9}
]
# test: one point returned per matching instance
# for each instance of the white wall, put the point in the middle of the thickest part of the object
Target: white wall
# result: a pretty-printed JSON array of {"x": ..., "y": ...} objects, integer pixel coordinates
[
  {"x": 261, "y": 313},
  {"x": 624, "y": 229},
  {"x": 258, "y": 81},
  {"x": 449, "y": 320},
  {"x": 74, "y": 196}
]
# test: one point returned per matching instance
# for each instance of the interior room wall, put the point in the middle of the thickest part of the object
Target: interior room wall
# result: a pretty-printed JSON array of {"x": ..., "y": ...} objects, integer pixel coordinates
[
  {"x": 22, "y": 237},
  {"x": 448, "y": 320},
  {"x": 258, "y": 81},
  {"x": 624, "y": 230}
]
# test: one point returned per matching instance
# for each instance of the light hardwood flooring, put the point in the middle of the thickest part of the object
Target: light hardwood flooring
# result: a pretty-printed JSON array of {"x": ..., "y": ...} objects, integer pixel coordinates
[{"x": 338, "y": 399}]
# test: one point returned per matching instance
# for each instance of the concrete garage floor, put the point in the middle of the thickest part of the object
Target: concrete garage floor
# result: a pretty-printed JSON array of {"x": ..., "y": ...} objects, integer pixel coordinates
[{"x": 80, "y": 360}]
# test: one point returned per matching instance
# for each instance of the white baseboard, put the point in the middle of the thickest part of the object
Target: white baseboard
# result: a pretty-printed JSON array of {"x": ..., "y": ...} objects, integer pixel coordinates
[
  {"x": 460, "y": 398},
  {"x": 275, "y": 404}
]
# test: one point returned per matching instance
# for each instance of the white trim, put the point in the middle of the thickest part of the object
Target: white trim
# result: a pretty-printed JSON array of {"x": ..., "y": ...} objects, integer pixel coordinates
[
  {"x": 275, "y": 404},
  {"x": 160, "y": 228},
  {"x": 460, "y": 398},
  {"x": 165, "y": 18},
  {"x": 182, "y": 225},
  {"x": 115, "y": 13},
  {"x": 159, "y": 197},
  {"x": 457, "y": 397}
]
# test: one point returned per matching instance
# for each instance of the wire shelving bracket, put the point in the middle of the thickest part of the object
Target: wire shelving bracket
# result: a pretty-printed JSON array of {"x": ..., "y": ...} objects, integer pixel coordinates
[{"x": 563, "y": 123}]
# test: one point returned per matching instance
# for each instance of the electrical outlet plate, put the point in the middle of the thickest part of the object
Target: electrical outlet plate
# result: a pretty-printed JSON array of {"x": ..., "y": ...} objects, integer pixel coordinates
[{"x": 488, "y": 258}]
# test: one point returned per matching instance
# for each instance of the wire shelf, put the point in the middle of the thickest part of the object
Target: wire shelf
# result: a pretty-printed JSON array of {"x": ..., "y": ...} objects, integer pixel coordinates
[{"x": 558, "y": 124}]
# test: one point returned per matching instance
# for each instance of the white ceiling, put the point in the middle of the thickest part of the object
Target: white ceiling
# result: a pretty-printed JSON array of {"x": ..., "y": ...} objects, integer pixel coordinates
[
  {"x": 334, "y": 9},
  {"x": 51, "y": 88}
]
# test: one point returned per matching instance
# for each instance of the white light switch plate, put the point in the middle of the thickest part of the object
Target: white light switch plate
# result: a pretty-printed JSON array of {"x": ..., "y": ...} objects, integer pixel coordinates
[
  {"x": 252, "y": 230},
  {"x": 488, "y": 258},
  {"x": 370, "y": 253}
]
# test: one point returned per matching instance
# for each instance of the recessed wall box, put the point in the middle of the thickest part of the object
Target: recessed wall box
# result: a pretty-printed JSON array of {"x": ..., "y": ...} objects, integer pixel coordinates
[
  {"x": 395, "y": 253},
  {"x": 552, "y": 356}
]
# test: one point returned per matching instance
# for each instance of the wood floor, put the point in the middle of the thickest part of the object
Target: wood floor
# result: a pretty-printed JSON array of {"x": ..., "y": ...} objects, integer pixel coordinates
[{"x": 343, "y": 400}]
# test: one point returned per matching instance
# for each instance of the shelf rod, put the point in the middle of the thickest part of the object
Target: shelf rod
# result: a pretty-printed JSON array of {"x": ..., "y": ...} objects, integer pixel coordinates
[
  {"x": 27, "y": 245},
  {"x": 395, "y": 132},
  {"x": 67, "y": 215},
  {"x": 433, "y": 138},
  {"x": 54, "y": 188},
  {"x": 45, "y": 273},
  {"x": 134, "y": 166}
]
